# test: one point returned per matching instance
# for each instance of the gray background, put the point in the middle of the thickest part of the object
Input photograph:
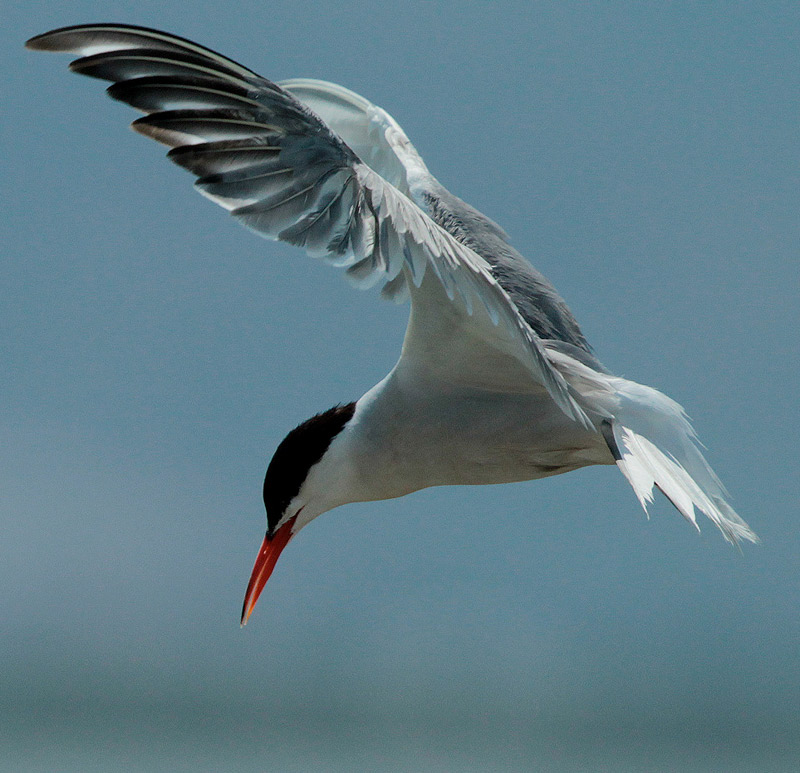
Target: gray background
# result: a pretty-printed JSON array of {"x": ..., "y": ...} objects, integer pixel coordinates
[{"x": 645, "y": 157}]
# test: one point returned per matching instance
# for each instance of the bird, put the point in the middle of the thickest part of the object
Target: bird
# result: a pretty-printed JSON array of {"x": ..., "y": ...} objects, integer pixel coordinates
[{"x": 495, "y": 381}]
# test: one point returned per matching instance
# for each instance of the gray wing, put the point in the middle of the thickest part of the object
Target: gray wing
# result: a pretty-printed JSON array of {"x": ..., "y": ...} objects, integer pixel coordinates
[
  {"x": 537, "y": 300},
  {"x": 281, "y": 171}
]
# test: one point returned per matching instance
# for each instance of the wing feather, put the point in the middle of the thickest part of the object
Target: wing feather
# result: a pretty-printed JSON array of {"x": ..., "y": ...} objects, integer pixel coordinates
[{"x": 282, "y": 172}]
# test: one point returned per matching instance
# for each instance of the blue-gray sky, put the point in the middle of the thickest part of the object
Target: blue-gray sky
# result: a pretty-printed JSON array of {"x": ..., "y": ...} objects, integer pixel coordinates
[{"x": 644, "y": 156}]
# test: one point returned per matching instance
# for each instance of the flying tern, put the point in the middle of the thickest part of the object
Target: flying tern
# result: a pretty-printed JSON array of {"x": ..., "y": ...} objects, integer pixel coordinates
[{"x": 495, "y": 381}]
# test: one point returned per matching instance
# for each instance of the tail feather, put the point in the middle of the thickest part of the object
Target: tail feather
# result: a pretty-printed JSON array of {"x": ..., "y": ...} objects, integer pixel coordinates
[{"x": 655, "y": 445}]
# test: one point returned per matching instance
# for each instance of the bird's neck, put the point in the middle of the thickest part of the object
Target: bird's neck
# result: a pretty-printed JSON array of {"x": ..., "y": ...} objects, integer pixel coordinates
[{"x": 366, "y": 461}]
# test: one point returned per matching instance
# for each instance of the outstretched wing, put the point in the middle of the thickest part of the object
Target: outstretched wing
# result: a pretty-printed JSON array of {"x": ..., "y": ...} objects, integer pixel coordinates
[{"x": 282, "y": 172}]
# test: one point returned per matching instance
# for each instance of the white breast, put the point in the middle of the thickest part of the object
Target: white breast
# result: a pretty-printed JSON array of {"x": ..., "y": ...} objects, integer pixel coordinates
[{"x": 407, "y": 435}]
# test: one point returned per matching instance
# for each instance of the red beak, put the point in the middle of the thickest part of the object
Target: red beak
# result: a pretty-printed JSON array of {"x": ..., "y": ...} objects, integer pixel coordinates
[{"x": 267, "y": 557}]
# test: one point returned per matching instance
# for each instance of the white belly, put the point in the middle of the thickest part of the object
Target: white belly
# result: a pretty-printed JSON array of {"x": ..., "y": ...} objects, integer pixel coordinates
[{"x": 414, "y": 438}]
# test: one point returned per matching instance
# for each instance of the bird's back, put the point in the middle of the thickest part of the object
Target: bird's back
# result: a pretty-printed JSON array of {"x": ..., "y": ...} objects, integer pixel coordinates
[{"x": 537, "y": 300}]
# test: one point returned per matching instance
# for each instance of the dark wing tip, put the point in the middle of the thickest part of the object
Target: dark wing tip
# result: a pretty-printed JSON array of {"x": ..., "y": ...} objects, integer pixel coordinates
[
  {"x": 39, "y": 42},
  {"x": 88, "y": 39},
  {"x": 63, "y": 39}
]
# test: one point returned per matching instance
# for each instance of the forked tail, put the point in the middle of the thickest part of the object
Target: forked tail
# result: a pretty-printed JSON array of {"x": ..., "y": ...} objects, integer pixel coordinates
[{"x": 654, "y": 444}]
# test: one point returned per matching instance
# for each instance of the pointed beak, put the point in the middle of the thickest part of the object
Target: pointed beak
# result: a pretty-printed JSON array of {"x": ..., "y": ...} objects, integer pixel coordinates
[{"x": 267, "y": 557}]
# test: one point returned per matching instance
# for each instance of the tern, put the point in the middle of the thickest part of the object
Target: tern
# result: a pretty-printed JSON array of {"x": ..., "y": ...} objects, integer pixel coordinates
[{"x": 495, "y": 382}]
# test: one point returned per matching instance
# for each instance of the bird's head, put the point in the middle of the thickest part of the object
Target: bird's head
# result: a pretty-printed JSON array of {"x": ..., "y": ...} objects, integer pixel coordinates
[{"x": 299, "y": 486}]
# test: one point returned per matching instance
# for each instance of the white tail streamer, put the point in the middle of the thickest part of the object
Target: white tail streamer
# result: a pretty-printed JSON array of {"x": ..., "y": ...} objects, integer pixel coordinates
[{"x": 654, "y": 444}]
